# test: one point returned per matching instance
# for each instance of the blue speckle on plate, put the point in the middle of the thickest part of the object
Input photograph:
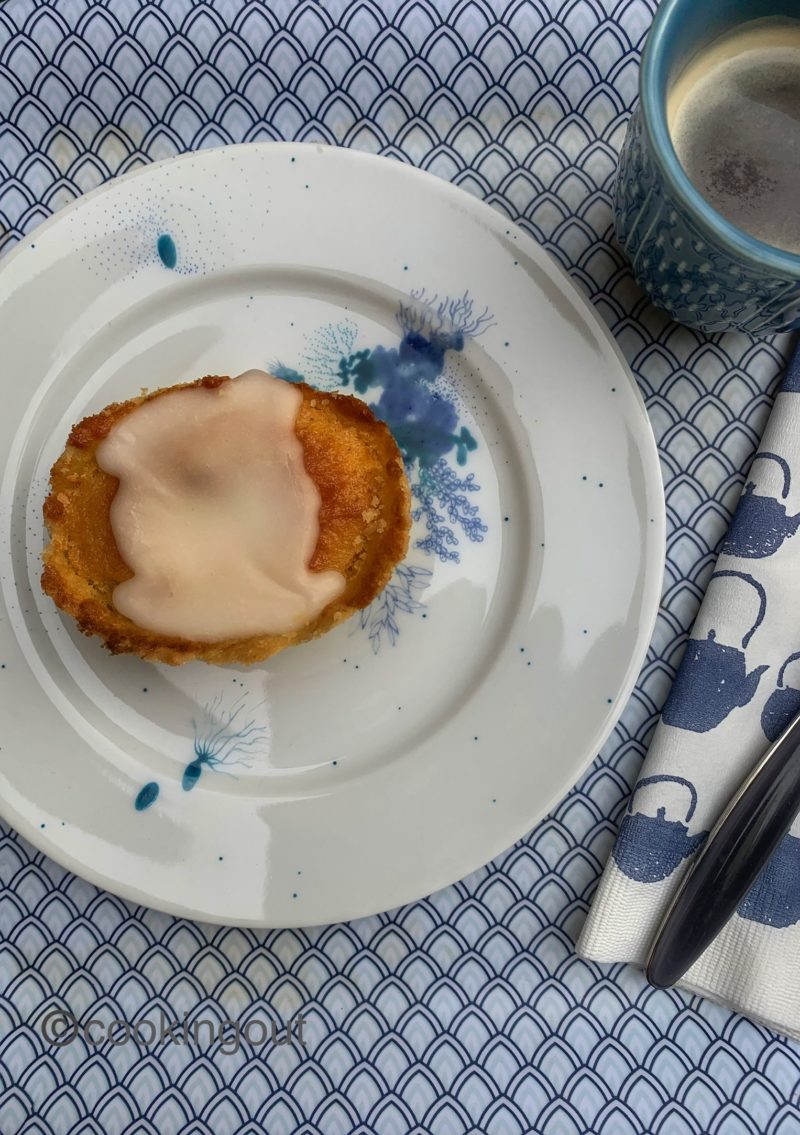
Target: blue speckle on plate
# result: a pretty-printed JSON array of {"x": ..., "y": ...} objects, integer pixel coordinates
[
  {"x": 167, "y": 251},
  {"x": 191, "y": 774},
  {"x": 146, "y": 796}
]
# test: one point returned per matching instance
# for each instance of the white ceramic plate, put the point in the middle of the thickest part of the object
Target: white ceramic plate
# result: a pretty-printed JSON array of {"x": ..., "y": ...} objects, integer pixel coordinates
[{"x": 414, "y": 743}]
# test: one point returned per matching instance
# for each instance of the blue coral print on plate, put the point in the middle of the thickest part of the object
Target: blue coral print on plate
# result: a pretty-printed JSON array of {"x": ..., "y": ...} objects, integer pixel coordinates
[
  {"x": 230, "y": 733},
  {"x": 226, "y": 737},
  {"x": 409, "y": 386}
]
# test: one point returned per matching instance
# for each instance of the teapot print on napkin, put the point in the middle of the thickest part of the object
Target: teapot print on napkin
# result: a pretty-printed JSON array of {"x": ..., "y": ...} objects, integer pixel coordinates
[
  {"x": 782, "y": 705},
  {"x": 650, "y": 847},
  {"x": 774, "y": 899},
  {"x": 761, "y": 524},
  {"x": 713, "y": 679}
]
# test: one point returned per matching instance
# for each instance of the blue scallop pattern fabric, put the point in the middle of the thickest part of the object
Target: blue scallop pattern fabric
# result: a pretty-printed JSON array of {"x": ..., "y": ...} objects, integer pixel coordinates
[{"x": 468, "y": 1011}]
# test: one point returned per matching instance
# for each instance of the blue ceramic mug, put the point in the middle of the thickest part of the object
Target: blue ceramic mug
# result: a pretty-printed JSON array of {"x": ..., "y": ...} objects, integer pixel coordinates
[{"x": 690, "y": 260}]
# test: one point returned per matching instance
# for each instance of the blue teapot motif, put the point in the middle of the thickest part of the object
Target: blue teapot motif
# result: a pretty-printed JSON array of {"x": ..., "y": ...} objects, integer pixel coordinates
[
  {"x": 712, "y": 679},
  {"x": 761, "y": 524},
  {"x": 649, "y": 848},
  {"x": 774, "y": 898},
  {"x": 782, "y": 705},
  {"x": 791, "y": 380}
]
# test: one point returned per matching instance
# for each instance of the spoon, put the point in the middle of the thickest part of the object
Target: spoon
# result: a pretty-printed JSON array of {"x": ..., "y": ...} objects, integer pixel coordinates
[{"x": 724, "y": 870}]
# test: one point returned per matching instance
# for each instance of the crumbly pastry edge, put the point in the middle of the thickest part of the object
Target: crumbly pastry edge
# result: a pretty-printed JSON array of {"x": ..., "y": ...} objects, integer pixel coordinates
[{"x": 386, "y": 535}]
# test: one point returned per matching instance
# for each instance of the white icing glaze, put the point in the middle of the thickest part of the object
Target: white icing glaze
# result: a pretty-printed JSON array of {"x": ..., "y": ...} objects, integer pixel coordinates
[{"x": 215, "y": 513}]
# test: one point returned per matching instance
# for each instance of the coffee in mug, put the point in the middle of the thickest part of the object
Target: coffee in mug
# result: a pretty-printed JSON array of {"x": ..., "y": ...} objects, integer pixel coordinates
[{"x": 734, "y": 119}]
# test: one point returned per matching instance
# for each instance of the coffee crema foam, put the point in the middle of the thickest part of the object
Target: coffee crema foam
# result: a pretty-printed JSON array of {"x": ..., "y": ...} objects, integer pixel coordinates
[{"x": 734, "y": 119}]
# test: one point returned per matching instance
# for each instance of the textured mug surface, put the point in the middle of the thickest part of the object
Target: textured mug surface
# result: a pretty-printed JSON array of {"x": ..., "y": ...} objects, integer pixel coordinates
[{"x": 690, "y": 260}]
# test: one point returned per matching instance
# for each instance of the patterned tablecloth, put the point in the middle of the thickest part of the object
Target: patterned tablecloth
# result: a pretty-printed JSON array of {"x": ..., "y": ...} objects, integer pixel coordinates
[{"x": 468, "y": 1010}]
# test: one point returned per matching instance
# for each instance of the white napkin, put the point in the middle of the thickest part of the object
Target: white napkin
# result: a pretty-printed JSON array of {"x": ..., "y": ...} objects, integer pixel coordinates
[{"x": 737, "y": 687}]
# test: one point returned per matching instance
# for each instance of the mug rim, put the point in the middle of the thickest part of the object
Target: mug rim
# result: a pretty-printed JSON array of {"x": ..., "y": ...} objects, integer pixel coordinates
[{"x": 651, "y": 79}]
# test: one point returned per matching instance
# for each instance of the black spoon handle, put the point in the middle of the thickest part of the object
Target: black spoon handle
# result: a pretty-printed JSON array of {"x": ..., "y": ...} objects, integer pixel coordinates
[{"x": 738, "y": 847}]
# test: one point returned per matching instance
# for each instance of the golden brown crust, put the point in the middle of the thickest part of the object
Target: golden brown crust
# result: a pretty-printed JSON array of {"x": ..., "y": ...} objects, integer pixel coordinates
[{"x": 364, "y": 525}]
